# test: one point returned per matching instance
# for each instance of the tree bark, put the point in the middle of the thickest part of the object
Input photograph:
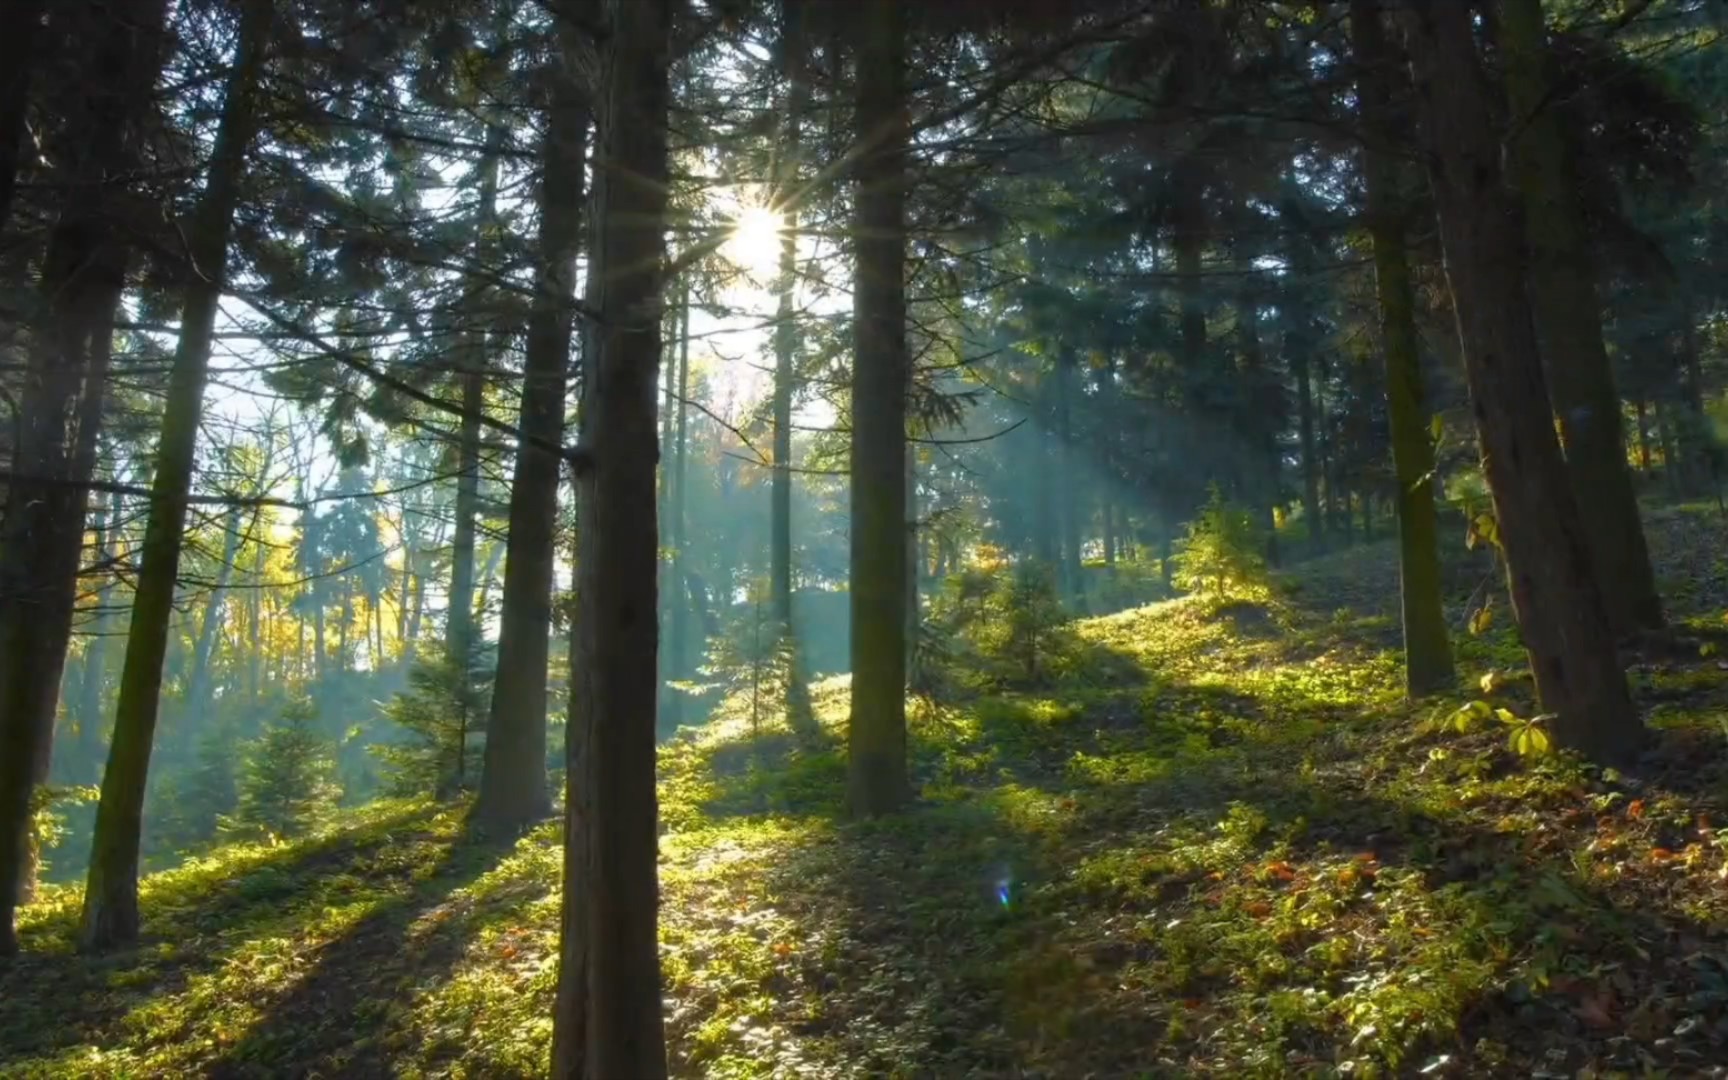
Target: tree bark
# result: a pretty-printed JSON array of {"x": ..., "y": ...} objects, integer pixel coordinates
[
  {"x": 609, "y": 1016},
  {"x": 1568, "y": 319},
  {"x": 81, "y": 277},
  {"x": 1427, "y": 647},
  {"x": 876, "y": 740},
  {"x": 110, "y": 916},
  {"x": 513, "y": 772},
  {"x": 1554, "y": 595}
]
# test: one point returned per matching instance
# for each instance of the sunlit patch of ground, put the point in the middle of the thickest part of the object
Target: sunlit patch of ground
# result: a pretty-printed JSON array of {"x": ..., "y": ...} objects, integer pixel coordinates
[{"x": 1217, "y": 843}]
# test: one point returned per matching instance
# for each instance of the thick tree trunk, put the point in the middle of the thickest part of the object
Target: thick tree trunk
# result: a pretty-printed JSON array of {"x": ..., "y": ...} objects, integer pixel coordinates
[
  {"x": 80, "y": 281},
  {"x": 1563, "y": 295},
  {"x": 609, "y": 1014},
  {"x": 876, "y": 741},
  {"x": 1427, "y": 647},
  {"x": 110, "y": 916},
  {"x": 19, "y": 32},
  {"x": 513, "y": 773},
  {"x": 1554, "y": 595}
]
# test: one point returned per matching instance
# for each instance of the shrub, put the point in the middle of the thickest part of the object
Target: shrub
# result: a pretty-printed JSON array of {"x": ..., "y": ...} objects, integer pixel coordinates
[
  {"x": 440, "y": 713},
  {"x": 287, "y": 784},
  {"x": 1223, "y": 551}
]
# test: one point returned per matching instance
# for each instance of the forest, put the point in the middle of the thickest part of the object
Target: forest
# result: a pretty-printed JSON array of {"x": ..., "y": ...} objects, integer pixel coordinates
[{"x": 622, "y": 539}]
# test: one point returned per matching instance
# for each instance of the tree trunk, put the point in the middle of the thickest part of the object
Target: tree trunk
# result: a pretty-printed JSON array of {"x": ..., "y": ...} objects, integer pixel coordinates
[
  {"x": 785, "y": 328},
  {"x": 459, "y": 615},
  {"x": 513, "y": 773},
  {"x": 81, "y": 278},
  {"x": 197, "y": 695},
  {"x": 876, "y": 740},
  {"x": 1067, "y": 499},
  {"x": 679, "y": 645},
  {"x": 110, "y": 916},
  {"x": 1643, "y": 434},
  {"x": 1299, "y": 355},
  {"x": 91, "y": 713},
  {"x": 18, "y": 59},
  {"x": 609, "y": 1015},
  {"x": 1427, "y": 647},
  {"x": 1563, "y": 295},
  {"x": 1554, "y": 595}
]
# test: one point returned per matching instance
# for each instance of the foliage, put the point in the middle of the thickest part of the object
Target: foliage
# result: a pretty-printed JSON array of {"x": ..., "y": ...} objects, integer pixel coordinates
[
  {"x": 753, "y": 662},
  {"x": 1021, "y": 631},
  {"x": 1223, "y": 551},
  {"x": 1210, "y": 845},
  {"x": 287, "y": 783},
  {"x": 442, "y": 715},
  {"x": 194, "y": 801}
]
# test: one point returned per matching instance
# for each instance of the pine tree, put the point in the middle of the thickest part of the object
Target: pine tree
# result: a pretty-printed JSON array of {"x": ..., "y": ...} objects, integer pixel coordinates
[{"x": 288, "y": 781}]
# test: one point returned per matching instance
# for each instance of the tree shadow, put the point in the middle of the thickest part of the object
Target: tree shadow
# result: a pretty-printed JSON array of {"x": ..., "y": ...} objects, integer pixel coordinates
[
  {"x": 191, "y": 926},
  {"x": 954, "y": 941},
  {"x": 332, "y": 1020}
]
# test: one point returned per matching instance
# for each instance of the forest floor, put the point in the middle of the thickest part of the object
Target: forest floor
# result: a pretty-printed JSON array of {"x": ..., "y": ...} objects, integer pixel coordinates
[{"x": 1214, "y": 841}]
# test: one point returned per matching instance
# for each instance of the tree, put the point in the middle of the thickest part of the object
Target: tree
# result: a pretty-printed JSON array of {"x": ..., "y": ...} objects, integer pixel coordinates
[
  {"x": 110, "y": 916},
  {"x": 1567, "y": 311},
  {"x": 512, "y": 784},
  {"x": 876, "y": 740},
  {"x": 288, "y": 781},
  {"x": 1554, "y": 593},
  {"x": 1427, "y": 649},
  {"x": 81, "y": 277},
  {"x": 608, "y": 1020}
]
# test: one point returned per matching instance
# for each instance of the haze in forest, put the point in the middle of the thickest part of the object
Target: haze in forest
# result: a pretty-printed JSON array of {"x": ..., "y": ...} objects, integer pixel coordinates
[{"x": 624, "y": 538}]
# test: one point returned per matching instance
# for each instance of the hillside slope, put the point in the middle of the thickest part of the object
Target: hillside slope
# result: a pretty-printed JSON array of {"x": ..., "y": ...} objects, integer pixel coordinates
[{"x": 1213, "y": 842}]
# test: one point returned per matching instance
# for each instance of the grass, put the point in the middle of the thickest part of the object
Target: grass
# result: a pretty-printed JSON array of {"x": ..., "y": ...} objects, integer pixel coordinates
[{"x": 1216, "y": 843}]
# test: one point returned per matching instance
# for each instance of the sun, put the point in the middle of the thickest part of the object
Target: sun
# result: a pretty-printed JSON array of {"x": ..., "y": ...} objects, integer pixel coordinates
[{"x": 754, "y": 244}]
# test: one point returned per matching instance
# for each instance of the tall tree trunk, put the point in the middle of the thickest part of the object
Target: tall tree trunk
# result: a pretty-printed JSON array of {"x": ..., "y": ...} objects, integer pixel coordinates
[
  {"x": 1563, "y": 294},
  {"x": 1643, "y": 405},
  {"x": 110, "y": 916},
  {"x": 1260, "y": 433},
  {"x": 1067, "y": 499},
  {"x": 1427, "y": 647},
  {"x": 678, "y": 646},
  {"x": 18, "y": 59},
  {"x": 198, "y": 684},
  {"x": 1299, "y": 355},
  {"x": 608, "y": 1022},
  {"x": 459, "y": 616},
  {"x": 1554, "y": 595},
  {"x": 91, "y": 714},
  {"x": 785, "y": 327},
  {"x": 513, "y": 773},
  {"x": 876, "y": 740},
  {"x": 81, "y": 278}
]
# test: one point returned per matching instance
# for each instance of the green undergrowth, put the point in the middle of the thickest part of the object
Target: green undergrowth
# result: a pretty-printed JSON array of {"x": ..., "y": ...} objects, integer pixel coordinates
[{"x": 1215, "y": 841}]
